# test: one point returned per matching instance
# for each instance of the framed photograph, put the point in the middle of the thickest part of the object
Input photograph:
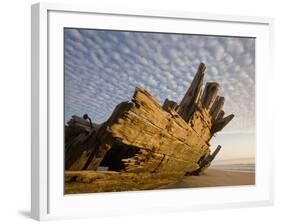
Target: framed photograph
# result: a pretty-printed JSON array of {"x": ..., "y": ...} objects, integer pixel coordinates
[{"x": 148, "y": 111}]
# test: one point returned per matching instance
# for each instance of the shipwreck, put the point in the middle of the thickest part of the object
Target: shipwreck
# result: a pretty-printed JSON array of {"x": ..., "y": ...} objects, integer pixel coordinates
[{"x": 145, "y": 145}]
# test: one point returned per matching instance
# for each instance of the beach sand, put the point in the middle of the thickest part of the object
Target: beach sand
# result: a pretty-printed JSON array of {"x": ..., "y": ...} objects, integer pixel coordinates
[
  {"x": 91, "y": 181},
  {"x": 214, "y": 178}
]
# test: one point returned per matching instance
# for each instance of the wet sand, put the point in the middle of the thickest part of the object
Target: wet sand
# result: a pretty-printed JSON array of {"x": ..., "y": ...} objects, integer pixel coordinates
[{"x": 214, "y": 178}]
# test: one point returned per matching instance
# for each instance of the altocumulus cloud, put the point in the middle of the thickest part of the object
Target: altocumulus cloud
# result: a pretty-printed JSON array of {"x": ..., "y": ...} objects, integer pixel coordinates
[{"x": 102, "y": 69}]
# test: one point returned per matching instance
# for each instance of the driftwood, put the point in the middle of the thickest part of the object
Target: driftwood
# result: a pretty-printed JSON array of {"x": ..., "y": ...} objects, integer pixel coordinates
[{"x": 144, "y": 141}]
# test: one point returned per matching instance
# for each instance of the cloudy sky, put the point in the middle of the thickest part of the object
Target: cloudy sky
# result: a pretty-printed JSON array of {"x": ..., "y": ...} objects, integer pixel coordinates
[{"x": 102, "y": 69}]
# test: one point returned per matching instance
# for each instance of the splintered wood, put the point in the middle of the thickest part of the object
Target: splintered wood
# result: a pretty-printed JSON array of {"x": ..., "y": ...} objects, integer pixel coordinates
[{"x": 144, "y": 138}]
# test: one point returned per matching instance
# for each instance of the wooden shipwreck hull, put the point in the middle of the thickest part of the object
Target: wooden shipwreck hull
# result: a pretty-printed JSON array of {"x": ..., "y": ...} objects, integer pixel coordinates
[{"x": 143, "y": 144}]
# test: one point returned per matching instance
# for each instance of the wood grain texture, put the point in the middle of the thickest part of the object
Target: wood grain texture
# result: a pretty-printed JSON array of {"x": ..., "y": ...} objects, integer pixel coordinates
[{"x": 145, "y": 138}]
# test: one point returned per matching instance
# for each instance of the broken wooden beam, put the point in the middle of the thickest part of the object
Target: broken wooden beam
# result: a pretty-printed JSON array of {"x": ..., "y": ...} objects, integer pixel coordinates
[
  {"x": 169, "y": 104},
  {"x": 209, "y": 95},
  {"x": 220, "y": 124},
  {"x": 220, "y": 115},
  {"x": 217, "y": 107},
  {"x": 214, "y": 154},
  {"x": 193, "y": 94}
]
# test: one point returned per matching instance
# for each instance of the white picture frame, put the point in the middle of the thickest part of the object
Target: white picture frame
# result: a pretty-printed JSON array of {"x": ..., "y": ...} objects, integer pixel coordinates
[{"x": 48, "y": 201}]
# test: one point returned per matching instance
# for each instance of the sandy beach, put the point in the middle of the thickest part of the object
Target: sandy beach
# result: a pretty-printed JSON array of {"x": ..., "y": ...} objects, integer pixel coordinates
[
  {"x": 108, "y": 181},
  {"x": 213, "y": 178}
]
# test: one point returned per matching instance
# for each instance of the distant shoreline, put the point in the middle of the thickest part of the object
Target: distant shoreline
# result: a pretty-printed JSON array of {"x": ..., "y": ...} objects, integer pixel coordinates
[
  {"x": 230, "y": 170},
  {"x": 214, "y": 178},
  {"x": 235, "y": 167}
]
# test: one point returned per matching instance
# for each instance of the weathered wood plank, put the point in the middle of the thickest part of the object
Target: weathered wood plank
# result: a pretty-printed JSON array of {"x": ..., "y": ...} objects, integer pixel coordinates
[
  {"x": 170, "y": 105},
  {"x": 166, "y": 134},
  {"x": 96, "y": 158},
  {"x": 220, "y": 124},
  {"x": 217, "y": 107},
  {"x": 220, "y": 115},
  {"x": 193, "y": 94},
  {"x": 209, "y": 95},
  {"x": 200, "y": 125},
  {"x": 135, "y": 131},
  {"x": 75, "y": 150},
  {"x": 147, "y": 160},
  {"x": 169, "y": 121},
  {"x": 108, "y": 181},
  {"x": 81, "y": 160}
]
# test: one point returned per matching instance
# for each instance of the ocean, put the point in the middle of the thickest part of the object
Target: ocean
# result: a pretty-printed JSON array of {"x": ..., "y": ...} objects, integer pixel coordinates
[{"x": 235, "y": 167}]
